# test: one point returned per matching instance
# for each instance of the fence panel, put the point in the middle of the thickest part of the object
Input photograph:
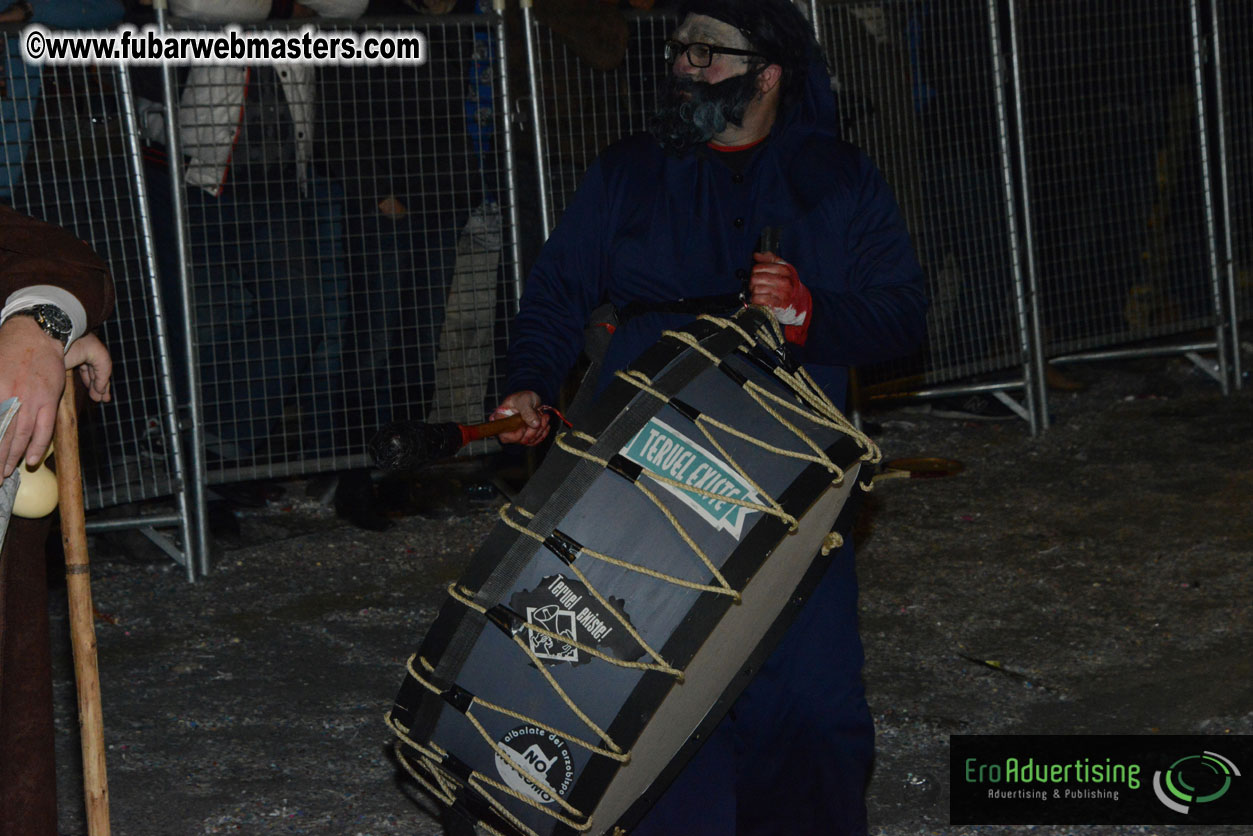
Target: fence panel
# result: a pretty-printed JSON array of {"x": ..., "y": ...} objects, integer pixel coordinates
[
  {"x": 1113, "y": 157},
  {"x": 585, "y": 110},
  {"x": 66, "y": 160},
  {"x": 373, "y": 282},
  {"x": 941, "y": 150},
  {"x": 1234, "y": 24},
  {"x": 917, "y": 86}
]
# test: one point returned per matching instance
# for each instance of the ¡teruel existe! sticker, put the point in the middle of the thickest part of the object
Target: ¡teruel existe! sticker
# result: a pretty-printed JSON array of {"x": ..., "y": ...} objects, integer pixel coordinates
[
  {"x": 564, "y": 606},
  {"x": 660, "y": 448}
]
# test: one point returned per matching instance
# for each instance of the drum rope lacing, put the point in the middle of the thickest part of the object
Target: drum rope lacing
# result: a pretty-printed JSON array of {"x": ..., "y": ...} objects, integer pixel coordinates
[
  {"x": 722, "y": 589},
  {"x": 433, "y": 758},
  {"x": 821, "y": 412}
]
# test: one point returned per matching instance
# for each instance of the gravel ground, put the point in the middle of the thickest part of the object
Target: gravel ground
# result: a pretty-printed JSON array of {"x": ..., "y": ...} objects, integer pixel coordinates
[{"x": 1104, "y": 566}]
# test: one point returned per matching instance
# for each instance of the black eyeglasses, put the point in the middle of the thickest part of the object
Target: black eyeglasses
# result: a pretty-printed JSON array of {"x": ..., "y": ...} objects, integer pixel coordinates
[{"x": 702, "y": 55}]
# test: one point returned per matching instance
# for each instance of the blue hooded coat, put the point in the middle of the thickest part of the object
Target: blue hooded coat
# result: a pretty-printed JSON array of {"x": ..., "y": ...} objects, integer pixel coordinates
[
  {"x": 646, "y": 226},
  {"x": 793, "y": 754}
]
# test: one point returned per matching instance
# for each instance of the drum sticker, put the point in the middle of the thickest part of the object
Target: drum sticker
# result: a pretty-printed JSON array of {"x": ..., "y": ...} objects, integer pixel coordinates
[
  {"x": 564, "y": 606},
  {"x": 660, "y": 448},
  {"x": 540, "y": 764}
]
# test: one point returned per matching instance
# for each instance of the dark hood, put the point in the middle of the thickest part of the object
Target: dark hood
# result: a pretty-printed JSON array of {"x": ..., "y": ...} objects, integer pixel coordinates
[{"x": 801, "y": 146}]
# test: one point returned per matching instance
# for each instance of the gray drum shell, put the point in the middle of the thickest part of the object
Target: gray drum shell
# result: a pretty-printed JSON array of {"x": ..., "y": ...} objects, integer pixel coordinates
[{"x": 711, "y": 638}]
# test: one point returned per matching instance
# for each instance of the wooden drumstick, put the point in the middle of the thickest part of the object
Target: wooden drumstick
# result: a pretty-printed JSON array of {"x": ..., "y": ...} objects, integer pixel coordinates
[
  {"x": 82, "y": 627},
  {"x": 405, "y": 445}
]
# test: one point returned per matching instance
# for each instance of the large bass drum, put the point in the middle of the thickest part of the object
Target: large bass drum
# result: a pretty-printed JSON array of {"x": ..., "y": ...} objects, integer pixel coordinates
[{"x": 627, "y": 597}]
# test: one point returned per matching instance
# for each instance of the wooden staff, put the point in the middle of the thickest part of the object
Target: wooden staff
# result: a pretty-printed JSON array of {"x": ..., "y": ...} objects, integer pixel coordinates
[{"x": 82, "y": 626}]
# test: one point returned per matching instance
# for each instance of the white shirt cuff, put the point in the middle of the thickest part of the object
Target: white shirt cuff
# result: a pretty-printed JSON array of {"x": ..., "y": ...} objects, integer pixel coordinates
[{"x": 46, "y": 294}]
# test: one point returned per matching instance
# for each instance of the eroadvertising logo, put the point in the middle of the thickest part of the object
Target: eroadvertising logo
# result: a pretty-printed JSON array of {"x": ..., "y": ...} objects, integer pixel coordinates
[
  {"x": 1210, "y": 775},
  {"x": 1115, "y": 779}
]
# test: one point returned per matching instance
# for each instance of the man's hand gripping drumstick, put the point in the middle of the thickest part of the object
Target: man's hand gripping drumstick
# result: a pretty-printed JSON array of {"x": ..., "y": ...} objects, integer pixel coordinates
[
  {"x": 535, "y": 419},
  {"x": 408, "y": 445},
  {"x": 775, "y": 284}
]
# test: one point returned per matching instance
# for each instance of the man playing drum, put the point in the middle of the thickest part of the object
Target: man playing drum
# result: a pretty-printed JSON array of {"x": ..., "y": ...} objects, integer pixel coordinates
[{"x": 745, "y": 139}]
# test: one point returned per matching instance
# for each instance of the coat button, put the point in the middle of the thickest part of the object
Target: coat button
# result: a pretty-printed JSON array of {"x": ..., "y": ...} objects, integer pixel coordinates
[
  {"x": 737, "y": 178},
  {"x": 739, "y": 223}
]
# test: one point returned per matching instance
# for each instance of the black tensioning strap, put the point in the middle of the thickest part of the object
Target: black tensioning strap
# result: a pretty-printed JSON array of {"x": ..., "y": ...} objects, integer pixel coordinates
[{"x": 721, "y": 304}]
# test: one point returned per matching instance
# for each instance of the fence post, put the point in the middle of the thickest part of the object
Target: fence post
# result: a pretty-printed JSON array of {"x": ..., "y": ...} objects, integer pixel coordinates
[
  {"x": 511, "y": 162},
  {"x": 1225, "y": 175},
  {"x": 1207, "y": 194},
  {"x": 198, "y": 481},
  {"x": 166, "y": 382},
  {"x": 537, "y": 117},
  {"x": 1036, "y": 405},
  {"x": 1028, "y": 290}
]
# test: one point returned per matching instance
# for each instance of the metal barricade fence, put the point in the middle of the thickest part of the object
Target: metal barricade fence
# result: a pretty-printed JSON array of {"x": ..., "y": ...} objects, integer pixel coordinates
[
  {"x": 921, "y": 90},
  {"x": 584, "y": 110},
  {"x": 1233, "y": 25},
  {"x": 69, "y": 140},
  {"x": 947, "y": 157},
  {"x": 1115, "y": 172},
  {"x": 352, "y": 248},
  {"x": 353, "y": 256}
]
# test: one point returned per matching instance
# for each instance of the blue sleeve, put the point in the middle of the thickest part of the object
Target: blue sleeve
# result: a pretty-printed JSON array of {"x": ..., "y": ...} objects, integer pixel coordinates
[
  {"x": 77, "y": 14},
  {"x": 880, "y": 311},
  {"x": 563, "y": 289}
]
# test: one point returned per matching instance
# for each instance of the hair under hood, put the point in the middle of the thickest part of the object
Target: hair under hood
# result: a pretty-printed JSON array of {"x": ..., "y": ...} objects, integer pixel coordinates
[{"x": 775, "y": 28}]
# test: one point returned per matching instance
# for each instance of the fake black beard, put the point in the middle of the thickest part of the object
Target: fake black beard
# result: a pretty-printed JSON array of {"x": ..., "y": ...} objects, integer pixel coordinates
[{"x": 682, "y": 122}]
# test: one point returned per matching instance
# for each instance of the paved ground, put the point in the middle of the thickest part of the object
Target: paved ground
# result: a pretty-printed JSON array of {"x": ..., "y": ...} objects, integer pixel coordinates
[{"x": 1104, "y": 566}]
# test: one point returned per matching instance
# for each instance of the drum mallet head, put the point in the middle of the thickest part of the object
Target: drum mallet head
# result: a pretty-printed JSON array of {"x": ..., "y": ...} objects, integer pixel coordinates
[{"x": 408, "y": 445}]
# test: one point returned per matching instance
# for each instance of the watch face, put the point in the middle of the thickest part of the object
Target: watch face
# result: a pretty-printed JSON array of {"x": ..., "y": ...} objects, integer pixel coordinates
[
  {"x": 57, "y": 319},
  {"x": 53, "y": 321}
]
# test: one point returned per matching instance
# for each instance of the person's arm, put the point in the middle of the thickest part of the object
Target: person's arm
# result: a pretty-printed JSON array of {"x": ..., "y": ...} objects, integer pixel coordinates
[
  {"x": 884, "y": 314},
  {"x": 564, "y": 286},
  {"x": 878, "y": 311},
  {"x": 36, "y": 255}
]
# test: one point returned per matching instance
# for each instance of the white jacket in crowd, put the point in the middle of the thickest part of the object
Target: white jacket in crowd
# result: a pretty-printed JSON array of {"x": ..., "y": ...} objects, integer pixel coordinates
[{"x": 211, "y": 110}]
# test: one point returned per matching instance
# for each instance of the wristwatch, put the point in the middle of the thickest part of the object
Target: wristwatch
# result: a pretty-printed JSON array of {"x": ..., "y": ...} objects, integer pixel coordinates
[{"x": 52, "y": 320}]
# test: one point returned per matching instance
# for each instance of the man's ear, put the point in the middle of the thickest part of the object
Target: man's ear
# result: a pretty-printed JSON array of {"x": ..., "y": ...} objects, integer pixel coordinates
[{"x": 768, "y": 79}]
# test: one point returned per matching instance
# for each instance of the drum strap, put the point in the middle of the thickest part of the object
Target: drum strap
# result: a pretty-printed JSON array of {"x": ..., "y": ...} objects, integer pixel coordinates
[
  {"x": 601, "y": 327},
  {"x": 606, "y": 319},
  {"x": 718, "y": 305}
]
